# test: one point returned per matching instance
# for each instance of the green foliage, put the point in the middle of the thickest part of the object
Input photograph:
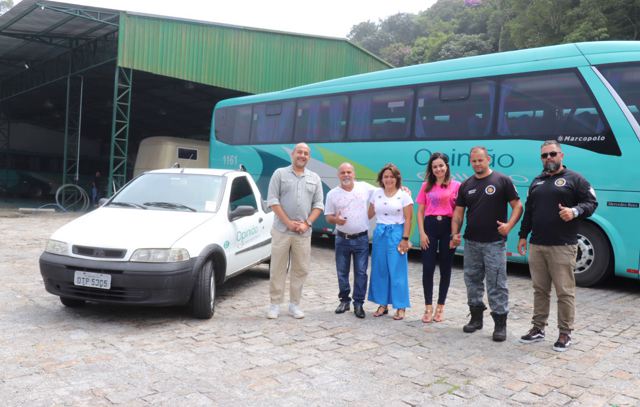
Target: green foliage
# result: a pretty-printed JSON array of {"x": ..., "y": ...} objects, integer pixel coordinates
[
  {"x": 5, "y": 5},
  {"x": 463, "y": 45},
  {"x": 451, "y": 28}
]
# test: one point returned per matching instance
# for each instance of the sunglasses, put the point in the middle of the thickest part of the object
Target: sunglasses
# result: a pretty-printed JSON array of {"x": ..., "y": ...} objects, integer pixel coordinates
[{"x": 551, "y": 154}]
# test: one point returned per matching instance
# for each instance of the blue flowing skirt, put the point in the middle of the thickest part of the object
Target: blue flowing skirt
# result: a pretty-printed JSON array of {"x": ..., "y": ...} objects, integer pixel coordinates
[{"x": 389, "y": 282}]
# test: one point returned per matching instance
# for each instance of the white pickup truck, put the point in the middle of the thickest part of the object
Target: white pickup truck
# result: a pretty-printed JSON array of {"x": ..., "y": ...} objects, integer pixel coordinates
[{"x": 166, "y": 238}]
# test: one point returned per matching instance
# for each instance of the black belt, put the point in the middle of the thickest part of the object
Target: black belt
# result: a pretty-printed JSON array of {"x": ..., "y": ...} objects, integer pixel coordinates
[
  {"x": 351, "y": 236},
  {"x": 439, "y": 217}
]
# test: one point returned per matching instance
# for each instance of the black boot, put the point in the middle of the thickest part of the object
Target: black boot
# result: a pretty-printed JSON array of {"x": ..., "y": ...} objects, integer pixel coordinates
[
  {"x": 500, "y": 330},
  {"x": 476, "y": 318}
]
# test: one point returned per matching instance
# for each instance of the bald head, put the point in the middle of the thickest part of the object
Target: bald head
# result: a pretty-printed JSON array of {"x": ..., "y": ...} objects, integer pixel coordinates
[
  {"x": 346, "y": 175},
  {"x": 300, "y": 156}
]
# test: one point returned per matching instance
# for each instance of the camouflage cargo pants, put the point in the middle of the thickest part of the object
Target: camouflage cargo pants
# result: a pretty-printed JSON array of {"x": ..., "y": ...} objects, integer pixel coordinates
[{"x": 486, "y": 263}]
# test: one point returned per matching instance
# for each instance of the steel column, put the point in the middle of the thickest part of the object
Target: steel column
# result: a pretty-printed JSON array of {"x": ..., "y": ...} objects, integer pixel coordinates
[
  {"x": 72, "y": 138},
  {"x": 4, "y": 151},
  {"x": 120, "y": 129}
]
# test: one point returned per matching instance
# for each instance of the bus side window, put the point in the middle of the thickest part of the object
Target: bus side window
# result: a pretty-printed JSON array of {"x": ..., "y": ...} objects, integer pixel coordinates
[
  {"x": 321, "y": 119},
  {"x": 381, "y": 115},
  {"x": 545, "y": 106},
  {"x": 455, "y": 111},
  {"x": 625, "y": 79},
  {"x": 233, "y": 124},
  {"x": 272, "y": 122}
]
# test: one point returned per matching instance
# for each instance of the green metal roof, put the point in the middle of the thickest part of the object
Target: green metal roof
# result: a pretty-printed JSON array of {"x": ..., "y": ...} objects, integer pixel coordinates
[{"x": 240, "y": 58}]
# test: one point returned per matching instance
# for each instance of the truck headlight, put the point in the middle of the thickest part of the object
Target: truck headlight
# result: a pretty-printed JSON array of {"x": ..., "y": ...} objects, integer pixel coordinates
[
  {"x": 160, "y": 255},
  {"x": 56, "y": 247}
]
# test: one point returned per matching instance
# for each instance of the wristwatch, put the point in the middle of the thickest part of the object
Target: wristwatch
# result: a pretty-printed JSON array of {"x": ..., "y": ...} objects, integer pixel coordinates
[
  {"x": 405, "y": 237},
  {"x": 310, "y": 224},
  {"x": 575, "y": 212}
]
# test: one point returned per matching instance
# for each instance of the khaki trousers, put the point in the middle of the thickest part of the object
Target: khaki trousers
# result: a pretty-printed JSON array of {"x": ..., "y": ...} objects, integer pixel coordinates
[
  {"x": 285, "y": 246},
  {"x": 553, "y": 264}
]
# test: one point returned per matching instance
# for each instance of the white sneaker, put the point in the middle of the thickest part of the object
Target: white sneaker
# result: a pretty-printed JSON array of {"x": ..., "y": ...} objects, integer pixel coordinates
[
  {"x": 274, "y": 310},
  {"x": 295, "y": 312}
]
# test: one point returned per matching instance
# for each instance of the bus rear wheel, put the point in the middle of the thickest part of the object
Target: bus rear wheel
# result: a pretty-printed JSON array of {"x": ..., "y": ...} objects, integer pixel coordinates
[{"x": 593, "y": 262}]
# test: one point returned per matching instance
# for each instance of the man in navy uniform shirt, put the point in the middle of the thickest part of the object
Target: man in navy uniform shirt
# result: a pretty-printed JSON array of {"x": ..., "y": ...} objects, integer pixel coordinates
[
  {"x": 557, "y": 199},
  {"x": 485, "y": 196}
]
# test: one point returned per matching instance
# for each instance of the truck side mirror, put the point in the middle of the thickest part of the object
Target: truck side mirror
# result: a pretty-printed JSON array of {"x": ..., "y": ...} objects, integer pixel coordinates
[{"x": 241, "y": 211}]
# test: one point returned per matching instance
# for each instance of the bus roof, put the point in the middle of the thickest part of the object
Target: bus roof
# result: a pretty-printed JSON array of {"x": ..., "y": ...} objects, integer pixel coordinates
[{"x": 501, "y": 63}]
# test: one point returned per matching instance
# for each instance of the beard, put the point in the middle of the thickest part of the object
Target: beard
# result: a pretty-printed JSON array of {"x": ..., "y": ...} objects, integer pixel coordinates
[
  {"x": 346, "y": 182},
  {"x": 551, "y": 166}
]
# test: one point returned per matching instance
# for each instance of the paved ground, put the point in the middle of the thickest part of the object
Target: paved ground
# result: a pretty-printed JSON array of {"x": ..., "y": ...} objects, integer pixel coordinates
[{"x": 103, "y": 355}]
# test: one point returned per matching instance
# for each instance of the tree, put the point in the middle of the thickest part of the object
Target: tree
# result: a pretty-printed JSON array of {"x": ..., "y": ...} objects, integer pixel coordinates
[
  {"x": 587, "y": 23},
  {"x": 425, "y": 49},
  {"x": 362, "y": 31},
  {"x": 5, "y": 5},
  {"x": 454, "y": 28},
  {"x": 464, "y": 45},
  {"x": 402, "y": 27},
  {"x": 623, "y": 18},
  {"x": 396, "y": 54},
  {"x": 369, "y": 36}
]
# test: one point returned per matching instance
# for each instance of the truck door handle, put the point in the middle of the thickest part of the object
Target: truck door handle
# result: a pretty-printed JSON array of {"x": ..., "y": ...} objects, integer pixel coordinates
[{"x": 259, "y": 220}]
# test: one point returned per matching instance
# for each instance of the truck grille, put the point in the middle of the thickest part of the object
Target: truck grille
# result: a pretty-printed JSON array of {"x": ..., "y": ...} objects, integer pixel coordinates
[{"x": 99, "y": 252}]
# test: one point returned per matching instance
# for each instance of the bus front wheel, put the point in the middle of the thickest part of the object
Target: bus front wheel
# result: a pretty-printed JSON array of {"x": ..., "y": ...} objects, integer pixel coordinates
[{"x": 593, "y": 262}]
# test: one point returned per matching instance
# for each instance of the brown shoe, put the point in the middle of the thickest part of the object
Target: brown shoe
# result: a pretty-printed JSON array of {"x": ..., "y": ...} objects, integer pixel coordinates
[
  {"x": 428, "y": 314},
  {"x": 438, "y": 315}
]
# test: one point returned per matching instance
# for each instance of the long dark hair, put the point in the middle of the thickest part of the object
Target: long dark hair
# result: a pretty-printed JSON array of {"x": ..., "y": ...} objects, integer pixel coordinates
[{"x": 430, "y": 177}]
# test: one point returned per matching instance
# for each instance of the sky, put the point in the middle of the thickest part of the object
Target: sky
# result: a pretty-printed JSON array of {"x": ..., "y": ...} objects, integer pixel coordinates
[{"x": 332, "y": 18}]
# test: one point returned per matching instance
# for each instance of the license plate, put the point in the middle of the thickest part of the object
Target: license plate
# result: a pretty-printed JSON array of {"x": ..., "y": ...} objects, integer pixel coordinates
[{"x": 94, "y": 280}]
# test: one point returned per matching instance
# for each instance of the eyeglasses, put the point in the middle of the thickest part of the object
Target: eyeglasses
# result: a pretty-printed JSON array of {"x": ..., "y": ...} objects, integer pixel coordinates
[{"x": 551, "y": 154}]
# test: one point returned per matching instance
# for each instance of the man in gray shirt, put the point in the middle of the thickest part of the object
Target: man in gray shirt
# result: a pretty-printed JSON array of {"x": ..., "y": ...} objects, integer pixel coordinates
[{"x": 295, "y": 196}]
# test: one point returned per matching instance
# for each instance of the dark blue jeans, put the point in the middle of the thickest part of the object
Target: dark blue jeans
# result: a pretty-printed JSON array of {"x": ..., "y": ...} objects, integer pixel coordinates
[{"x": 359, "y": 249}]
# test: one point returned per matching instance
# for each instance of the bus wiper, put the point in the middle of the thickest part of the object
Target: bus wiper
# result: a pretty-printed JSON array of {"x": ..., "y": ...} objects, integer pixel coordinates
[
  {"x": 169, "y": 205},
  {"x": 127, "y": 204}
]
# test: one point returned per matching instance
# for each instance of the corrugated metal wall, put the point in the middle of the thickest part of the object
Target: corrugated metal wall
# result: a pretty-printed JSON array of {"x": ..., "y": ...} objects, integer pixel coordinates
[{"x": 246, "y": 60}]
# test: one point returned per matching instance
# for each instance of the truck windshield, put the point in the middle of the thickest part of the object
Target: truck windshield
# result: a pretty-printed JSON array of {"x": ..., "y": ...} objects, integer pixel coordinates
[{"x": 188, "y": 192}]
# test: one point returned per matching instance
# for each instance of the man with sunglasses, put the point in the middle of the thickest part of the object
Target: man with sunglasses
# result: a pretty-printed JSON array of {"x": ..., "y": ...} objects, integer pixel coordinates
[{"x": 557, "y": 199}]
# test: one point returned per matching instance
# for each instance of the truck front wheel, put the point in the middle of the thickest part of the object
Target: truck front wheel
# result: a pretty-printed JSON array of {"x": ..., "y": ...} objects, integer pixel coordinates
[{"x": 204, "y": 292}]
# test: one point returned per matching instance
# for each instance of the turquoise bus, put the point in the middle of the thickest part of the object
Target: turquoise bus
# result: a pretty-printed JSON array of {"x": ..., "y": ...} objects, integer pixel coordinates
[{"x": 585, "y": 95}]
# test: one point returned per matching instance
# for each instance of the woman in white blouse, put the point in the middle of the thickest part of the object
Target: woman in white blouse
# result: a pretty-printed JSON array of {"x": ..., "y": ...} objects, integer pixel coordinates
[{"x": 393, "y": 208}]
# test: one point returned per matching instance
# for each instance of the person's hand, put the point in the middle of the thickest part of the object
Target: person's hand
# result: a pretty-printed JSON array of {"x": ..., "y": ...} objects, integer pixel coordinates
[
  {"x": 302, "y": 227},
  {"x": 456, "y": 239},
  {"x": 293, "y": 225},
  {"x": 522, "y": 246},
  {"x": 565, "y": 213},
  {"x": 503, "y": 228},
  {"x": 424, "y": 241},
  {"x": 339, "y": 219},
  {"x": 404, "y": 246},
  {"x": 406, "y": 190}
]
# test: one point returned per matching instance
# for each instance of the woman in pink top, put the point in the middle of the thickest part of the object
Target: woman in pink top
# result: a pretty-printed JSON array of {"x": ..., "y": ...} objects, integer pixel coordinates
[{"x": 436, "y": 201}]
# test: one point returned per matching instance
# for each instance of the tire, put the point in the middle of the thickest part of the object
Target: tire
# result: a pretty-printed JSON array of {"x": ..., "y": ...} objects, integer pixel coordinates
[
  {"x": 71, "y": 302},
  {"x": 204, "y": 292},
  {"x": 593, "y": 262}
]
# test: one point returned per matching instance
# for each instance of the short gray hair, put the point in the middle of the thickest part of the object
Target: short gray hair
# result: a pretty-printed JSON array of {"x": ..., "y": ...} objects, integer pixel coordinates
[{"x": 552, "y": 143}]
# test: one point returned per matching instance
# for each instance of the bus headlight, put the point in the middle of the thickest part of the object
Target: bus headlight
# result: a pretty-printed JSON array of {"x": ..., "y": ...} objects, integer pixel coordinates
[
  {"x": 160, "y": 255},
  {"x": 57, "y": 247}
]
